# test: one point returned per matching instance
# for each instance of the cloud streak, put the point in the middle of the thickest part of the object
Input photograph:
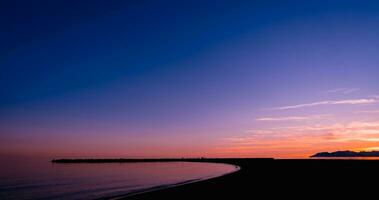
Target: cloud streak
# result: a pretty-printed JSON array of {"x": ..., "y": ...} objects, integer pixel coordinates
[
  {"x": 367, "y": 112},
  {"x": 342, "y": 90},
  {"x": 305, "y": 140},
  {"x": 329, "y": 102},
  {"x": 294, "y": 118}
]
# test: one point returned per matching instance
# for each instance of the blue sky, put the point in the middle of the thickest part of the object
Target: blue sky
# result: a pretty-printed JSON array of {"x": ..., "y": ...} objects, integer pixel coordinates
[{"x": 159, "y": 74}]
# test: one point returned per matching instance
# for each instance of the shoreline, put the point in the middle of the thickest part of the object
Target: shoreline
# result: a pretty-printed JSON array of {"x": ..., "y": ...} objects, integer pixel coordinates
[
  {"x": 270, "y": 177},
  {"x": 128, "y": 160},
  {"x": 289, "y": 178},
  {"x": 167, "y": 186}
]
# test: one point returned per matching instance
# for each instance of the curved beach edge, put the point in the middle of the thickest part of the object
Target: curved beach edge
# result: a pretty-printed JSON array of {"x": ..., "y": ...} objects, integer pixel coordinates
[{"x": 167, "y": 186}]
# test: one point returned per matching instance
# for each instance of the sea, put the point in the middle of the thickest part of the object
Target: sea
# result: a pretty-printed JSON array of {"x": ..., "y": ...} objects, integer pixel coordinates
[{"x": 42, "y": 179}]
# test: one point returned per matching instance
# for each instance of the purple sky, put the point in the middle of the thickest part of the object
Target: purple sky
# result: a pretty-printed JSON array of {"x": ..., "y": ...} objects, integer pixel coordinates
[{"x": 170, "y": 79}]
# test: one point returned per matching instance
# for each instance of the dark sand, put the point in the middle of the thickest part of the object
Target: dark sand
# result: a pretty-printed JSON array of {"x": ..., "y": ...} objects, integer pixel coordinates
[{"x": 266, "y": 179}]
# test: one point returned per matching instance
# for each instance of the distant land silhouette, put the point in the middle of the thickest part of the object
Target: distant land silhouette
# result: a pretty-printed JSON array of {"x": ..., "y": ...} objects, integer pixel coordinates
[{"x": 347, "y": 154}]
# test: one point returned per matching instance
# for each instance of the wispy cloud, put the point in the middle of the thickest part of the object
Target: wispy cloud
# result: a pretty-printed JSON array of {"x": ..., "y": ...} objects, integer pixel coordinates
[
  {"x": 355, "y": 130},
  {"x": 329, "y": 102},
  {"x": 342, "y": 90},
  {"x": 307, "y": 139},
  {"x": 367, "y": 112},
  {"x": 371, "y": 149},
  {"x": 294, "y": 118}
]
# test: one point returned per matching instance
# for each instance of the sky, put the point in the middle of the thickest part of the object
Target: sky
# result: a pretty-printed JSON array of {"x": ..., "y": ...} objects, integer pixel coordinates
[{"x": 263, "y": 78}]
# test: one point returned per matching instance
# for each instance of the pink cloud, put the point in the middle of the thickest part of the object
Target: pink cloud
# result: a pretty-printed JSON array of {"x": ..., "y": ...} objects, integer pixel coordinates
[{"x": 305, "y": 140}]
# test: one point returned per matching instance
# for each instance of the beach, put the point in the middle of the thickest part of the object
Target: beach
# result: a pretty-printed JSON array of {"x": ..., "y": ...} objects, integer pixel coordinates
[{"x": 288, "y": 178}]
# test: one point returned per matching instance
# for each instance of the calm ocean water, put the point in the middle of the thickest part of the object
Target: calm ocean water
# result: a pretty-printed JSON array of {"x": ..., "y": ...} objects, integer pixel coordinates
[{"x": 44, "y": 180}]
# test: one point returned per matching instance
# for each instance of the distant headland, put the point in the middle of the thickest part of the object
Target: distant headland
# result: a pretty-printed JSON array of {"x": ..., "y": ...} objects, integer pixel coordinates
[{"x": 347, "y": 154}]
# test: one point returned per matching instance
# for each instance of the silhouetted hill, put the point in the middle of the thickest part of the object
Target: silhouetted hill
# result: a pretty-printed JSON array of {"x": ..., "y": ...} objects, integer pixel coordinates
[{"x": 347, "y": 154}]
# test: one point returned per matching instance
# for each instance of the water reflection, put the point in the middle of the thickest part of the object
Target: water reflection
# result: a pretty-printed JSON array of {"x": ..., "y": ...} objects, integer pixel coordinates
[{"x": 45, "y": 180}]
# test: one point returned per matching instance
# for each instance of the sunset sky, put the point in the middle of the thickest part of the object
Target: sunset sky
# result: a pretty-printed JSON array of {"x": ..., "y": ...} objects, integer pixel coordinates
[{"x": 264, "y": 78}]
